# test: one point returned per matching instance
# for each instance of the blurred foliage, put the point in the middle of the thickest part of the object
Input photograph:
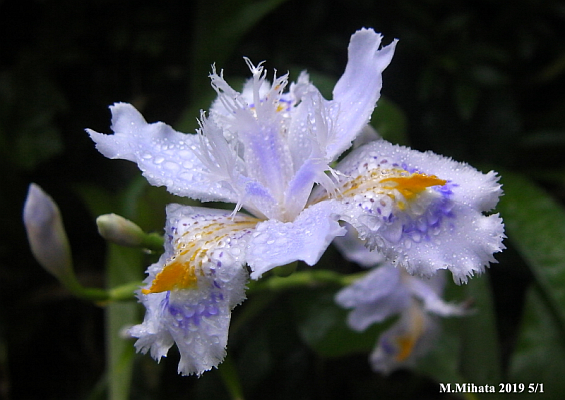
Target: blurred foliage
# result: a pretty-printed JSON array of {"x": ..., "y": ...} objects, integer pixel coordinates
[{"x": 481, "y": 81}]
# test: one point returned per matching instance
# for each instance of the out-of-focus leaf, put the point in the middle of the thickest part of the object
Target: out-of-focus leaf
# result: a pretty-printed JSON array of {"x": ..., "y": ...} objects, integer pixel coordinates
[
  {"x": 265, "y": 344},
  {"x": 466, "y": 97},
  {"x": 29, "y": 103},
  {"x": 390, "y": 122},
  {"x": 539, "y": 357},
  {"x": 443, "y": 360},
  {"x": 123, "y": 265},
  {"x": 480, "y": 358},
  {"x": 544, "y": 138},
  {"x": 221, "y": 26},
  {"x": 488, "y": 75},
  {"x": 467, "y": 349},
  {"x": 535, "y": 223},
  {"x": 552, "y": 71},
  {"x": 322, "y": 324}
]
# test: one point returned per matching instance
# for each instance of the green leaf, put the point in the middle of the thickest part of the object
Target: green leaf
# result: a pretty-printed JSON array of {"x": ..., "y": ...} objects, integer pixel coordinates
[
  {"x": 322, "y": 324},
  {"x": 539, "y": 357},
  {"x": 480, "y": 358},
  {"x": 390, "y": 122},
  {"x": 443, "y": 360},
  {"x": 466, "y": 98},
  {"x": 123, "y": 265},
  {"x": 467, "y": 348},
  {"x": 219, "y": 28},
  {"x": 30, "y": 102},
  {"x": 535, "y": 224}
]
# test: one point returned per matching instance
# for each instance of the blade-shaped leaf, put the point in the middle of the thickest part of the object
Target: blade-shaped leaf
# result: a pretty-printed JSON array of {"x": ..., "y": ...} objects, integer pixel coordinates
[
  {"x": 539, "y": 358},
  {"x": 535, "y": 223},
  {"x": 480, "y": 358},
  {"x": 123, "y": 265},
  {"x": 467, "y": 348}
]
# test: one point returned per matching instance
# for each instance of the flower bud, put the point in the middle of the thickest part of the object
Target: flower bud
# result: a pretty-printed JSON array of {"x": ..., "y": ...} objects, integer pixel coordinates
[
  {"x": 45, "y": 232},
  {"x": 116, "y": 229}
]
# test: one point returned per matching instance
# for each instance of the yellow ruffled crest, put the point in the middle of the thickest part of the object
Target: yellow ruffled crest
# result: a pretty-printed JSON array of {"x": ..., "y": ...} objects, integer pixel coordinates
[
  {"x": 411, "y": 185},
  {"x": 176, "y": 275},
  {"x": 193, "y": 249}
]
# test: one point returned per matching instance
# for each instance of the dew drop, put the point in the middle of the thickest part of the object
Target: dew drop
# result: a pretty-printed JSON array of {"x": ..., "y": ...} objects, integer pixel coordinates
[{"x": 171, "y": 166}]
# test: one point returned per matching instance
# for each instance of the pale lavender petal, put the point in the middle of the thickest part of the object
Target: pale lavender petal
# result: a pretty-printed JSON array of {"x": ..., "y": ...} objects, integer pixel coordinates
[
  {"x": 275, "y": 243},
  {"x": 195, "y": 311},
  {"x": 429, "y": 292},
  {"x": 378, "y": 295},
  {"x": 358, "y": 90},
  {"x": 46, "y": 233},
  {"x": 443, "y": 227},
  {"x": 166, "y": 157},
  {"x": 354, "y": 249},
  {"x": 402, "y": 344}
]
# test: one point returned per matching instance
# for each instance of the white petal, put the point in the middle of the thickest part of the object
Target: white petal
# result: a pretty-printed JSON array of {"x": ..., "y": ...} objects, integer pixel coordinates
[
  {"x": 305, "y": 135},
  {"x": 193, "y": 310},
  {"x": 429, "y": 291},
  {"x": 255, "y": 121},
  {"x": 403, "y": 343},
  {"x": 441, "y": 228},
  {"x": 353, "y": 249},
  {"x": 166, "y": 157},
  {"x": 378, "y": 295},
  {"x": 153, "y": 334},
  {"x": 358, "y": 90},
  {"x": 276, "y": 243}
]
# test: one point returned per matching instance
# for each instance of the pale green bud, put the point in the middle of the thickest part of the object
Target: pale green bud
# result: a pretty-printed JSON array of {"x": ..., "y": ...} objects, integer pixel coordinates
[{"x": 116, "y": 229}]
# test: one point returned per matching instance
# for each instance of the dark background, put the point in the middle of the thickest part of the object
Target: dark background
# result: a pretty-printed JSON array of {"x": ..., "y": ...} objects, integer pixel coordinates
[{"x": 481, "y": 81}]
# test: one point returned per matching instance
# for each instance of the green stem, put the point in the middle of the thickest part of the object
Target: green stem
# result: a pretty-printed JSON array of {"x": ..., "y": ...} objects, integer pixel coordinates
[
  {"x": 124, "y": 292},
  {"x": 310, "y": 278},
  {"x": 153, "y": 242},
  {"x": 70, "y": 281}
]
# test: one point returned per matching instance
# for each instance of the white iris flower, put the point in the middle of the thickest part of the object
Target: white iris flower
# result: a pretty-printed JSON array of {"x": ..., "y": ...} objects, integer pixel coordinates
[
  {"x": 269, "y": 151},
  {"x": 387, "y": 291}
]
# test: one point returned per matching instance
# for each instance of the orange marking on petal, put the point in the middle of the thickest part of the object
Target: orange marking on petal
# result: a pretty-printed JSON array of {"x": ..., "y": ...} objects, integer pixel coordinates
[
  {"x": 176, "y": 275},
  {"x": 406, "y": 344},
  {"x": 192, "y": 251},
  {"x": 410, "y": 186}
]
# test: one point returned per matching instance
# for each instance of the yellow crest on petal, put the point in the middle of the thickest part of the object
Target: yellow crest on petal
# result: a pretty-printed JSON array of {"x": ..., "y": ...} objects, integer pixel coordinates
[
  {"x": 194, "y": 248},
  {"x": 409, "y": 186},
  {"x": 175, "y": 275}
]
